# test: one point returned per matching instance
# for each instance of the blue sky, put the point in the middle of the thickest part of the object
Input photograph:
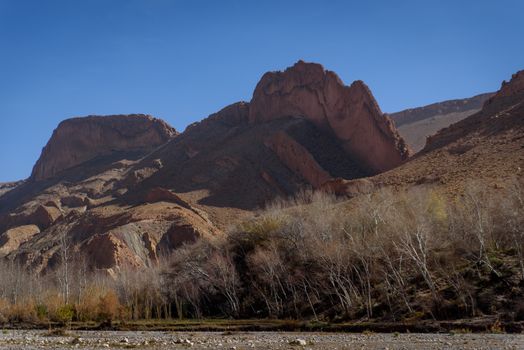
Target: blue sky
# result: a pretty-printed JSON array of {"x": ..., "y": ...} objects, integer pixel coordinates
[{"x": 183, "y": 60}]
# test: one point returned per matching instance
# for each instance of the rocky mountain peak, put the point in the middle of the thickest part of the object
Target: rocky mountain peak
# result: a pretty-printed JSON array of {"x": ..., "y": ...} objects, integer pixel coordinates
[
  {"x": 509, "y": 92},
  {"x": 351, "y": 113},
  {"x": 77, "y": 140},
  {"x": 514, "y": 86}
]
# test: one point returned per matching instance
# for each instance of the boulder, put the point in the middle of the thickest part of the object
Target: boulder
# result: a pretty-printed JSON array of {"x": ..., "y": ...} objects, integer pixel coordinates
[
  {"x": 350, "y": 188},
  {"x": 74, "y": 201},
  {"x": 11, "y": 239},
  {"x": 42, "y": 216},
  {"x": 159, "y": 194}
]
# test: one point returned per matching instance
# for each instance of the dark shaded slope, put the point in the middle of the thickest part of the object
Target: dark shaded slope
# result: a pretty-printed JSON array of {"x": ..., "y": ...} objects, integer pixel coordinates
[{"x": 232, "y": 165}]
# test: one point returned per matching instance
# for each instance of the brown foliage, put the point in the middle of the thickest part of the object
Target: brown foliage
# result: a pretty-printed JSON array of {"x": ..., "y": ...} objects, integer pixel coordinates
[{"x": 387, "y": 255}]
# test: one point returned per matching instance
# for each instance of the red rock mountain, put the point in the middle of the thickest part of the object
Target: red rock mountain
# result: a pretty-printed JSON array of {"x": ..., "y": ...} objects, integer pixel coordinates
[
  {"x": 500, "y": 112},
  {"x": 488, "y": 146},
  {"x": 128, "y": 189},
  {"x": 349, "y": 112},
  {"x": 77, "y": 140}
]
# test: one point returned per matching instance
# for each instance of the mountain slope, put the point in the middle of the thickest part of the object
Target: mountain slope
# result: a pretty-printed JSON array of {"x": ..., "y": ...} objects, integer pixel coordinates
[
  {"x": 416, "y": 124},
  {"x": 126, "y": 190},
  {"x": 487, "y": 146}
]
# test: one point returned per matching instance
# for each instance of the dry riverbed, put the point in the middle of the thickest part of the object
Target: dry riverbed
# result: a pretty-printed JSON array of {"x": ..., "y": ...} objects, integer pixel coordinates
[{"x": 30, "y": 339}]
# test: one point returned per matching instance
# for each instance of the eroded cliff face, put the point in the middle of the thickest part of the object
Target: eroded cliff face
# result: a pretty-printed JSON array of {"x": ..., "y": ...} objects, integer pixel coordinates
[
  {"x": 127, "y": 189},
  {"x": 77, "y": 140},
  {"x": 298, "y": 159},
  {"x": 349, "y": 112}
]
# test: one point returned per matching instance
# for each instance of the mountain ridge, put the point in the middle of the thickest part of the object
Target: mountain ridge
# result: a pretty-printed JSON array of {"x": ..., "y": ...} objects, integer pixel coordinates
[
  {"x": 417, "y": 124},
  {"x": 139, "y": 197}
]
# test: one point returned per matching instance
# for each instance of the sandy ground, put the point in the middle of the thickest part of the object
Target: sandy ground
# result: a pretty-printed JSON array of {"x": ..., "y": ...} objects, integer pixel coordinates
[{"x": 12, "y": 339}]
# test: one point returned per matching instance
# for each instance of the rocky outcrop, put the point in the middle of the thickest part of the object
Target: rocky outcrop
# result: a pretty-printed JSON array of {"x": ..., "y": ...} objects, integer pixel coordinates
[
  {"x": 298, "y": 159},
  {"x": 159, "y": 194},
  {"x": 509, "y": 92},
  {"x": 74, "y": 201},
  {"x": 8, "y": 186},
  {"x": 350, "y": 188},
  {"x": 178, "y": 234},
  {"x": 497, "y": 115},
  {"x": 78, "y": 140},
  {"x": 11, "y": 239},
  {"x": 105, "y": 250},
  {"x": 350, "y": 113},
  {"x": 41, "y": 216},
  {"x": 234, "y": 114},
  {"x": 514, "y": 87},
  {"x": 485, "y": 148}
]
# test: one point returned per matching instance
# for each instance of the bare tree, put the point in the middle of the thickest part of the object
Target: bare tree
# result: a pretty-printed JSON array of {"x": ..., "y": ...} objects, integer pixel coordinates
[
  {"x": 64, "y": 270},
  {"x": 224, "y": 277}
]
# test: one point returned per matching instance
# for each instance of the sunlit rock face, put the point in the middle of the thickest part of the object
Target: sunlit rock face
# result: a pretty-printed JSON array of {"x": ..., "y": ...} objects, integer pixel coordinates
[
  {"x": 77, "y": 140},
  {"x": 349, "y": 112}
]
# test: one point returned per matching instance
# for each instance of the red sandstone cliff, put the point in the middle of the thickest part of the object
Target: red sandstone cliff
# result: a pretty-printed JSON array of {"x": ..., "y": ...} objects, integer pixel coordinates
[
  {"x": 125, "y": 189},
  {"x": 77, "y": 140},
  {"x": 349, "y": 112}
]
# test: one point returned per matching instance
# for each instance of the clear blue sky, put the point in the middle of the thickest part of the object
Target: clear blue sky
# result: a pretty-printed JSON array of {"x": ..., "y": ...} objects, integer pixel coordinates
[{"x": 182, "y": 60}]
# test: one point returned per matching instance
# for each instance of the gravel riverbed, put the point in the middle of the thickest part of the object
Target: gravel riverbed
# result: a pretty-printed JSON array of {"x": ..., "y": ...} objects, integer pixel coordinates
[{"x": 24, "y": 339}]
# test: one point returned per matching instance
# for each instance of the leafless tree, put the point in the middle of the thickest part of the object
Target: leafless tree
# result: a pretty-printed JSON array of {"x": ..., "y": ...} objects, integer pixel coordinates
[
  {"x": 224, "y": 277},
  {"x": 64, "y": 272}
]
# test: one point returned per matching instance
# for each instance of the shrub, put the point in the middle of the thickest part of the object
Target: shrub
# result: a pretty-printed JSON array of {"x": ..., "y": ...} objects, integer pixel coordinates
[
  {"x": 4, "y": 310},
  {"x": 497, "y": 328},
  {"x": 87, "y": 306},
  {"x": 52, "y": 302},
  {"x": 64, "y": 314},
  {"x": 23, "y": 311},
  {"x": 390, "y": 255},
  {"x": 41, "y": 312},
  {"x": 109, "y": 307}
]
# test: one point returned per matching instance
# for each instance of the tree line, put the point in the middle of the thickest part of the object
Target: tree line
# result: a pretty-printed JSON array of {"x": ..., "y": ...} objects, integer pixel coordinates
[{"x": 390, "y": 255}]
